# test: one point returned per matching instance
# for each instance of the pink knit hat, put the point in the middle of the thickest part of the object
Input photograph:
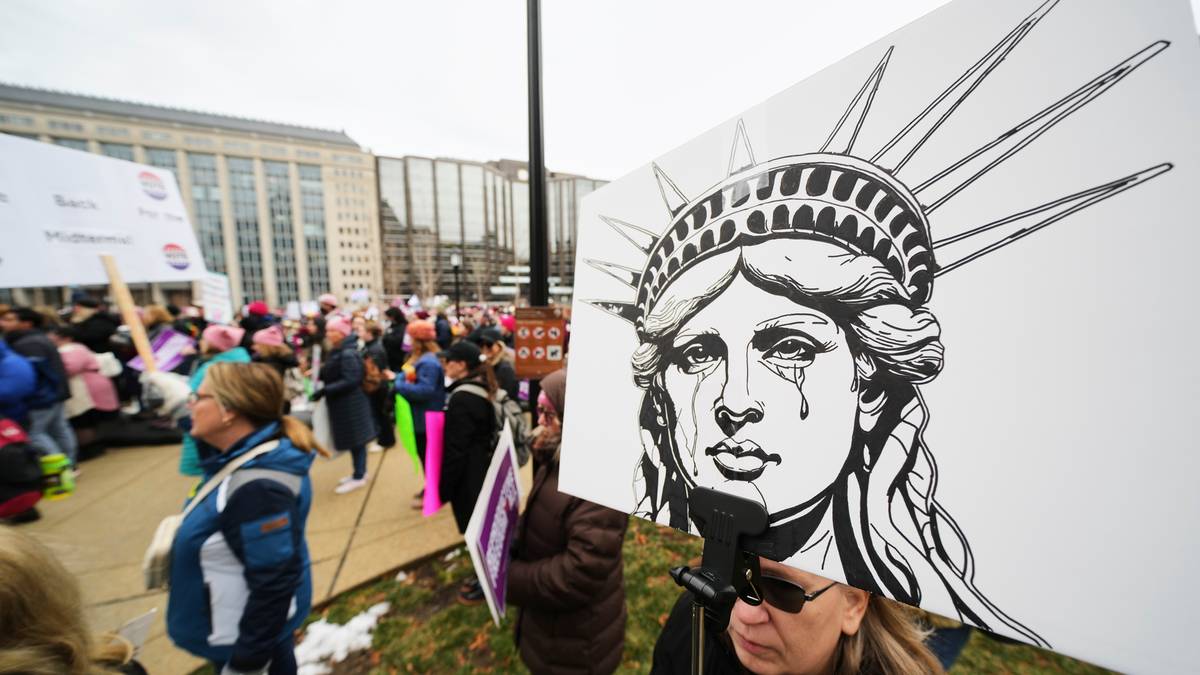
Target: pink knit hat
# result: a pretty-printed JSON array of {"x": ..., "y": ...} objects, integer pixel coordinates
[
  {"x": 272, "y": 336},
  {"x": 223, "y": 338},
  {"x": 340, "y": 324},
  {"x": 328, "y": 299}
]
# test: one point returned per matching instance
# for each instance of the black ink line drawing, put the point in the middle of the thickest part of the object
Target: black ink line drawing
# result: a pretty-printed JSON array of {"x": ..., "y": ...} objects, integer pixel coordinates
[{"x": 751, "y": 355}]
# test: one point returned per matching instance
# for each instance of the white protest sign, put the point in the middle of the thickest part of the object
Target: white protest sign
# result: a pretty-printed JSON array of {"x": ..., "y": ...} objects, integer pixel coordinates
[
  {"x": 60, "y": 209},
  {"x": 216, "y": 298},
  {"x": 933, "y": 308}
]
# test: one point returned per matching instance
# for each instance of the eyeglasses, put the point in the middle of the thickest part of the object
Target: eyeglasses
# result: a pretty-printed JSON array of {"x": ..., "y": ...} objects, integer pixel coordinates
[
  {"x": 195, "y": 397},
  {"x": 781, "y": 594}
]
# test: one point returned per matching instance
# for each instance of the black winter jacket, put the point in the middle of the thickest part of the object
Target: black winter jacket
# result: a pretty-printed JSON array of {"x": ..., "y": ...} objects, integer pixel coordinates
[{"x": 467, "y": 449}]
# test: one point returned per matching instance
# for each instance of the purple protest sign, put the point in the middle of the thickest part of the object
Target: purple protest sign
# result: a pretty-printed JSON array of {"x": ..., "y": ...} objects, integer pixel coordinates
[
  {"x": 168, "y": 349},
  {"x": 493, "y": 524}
]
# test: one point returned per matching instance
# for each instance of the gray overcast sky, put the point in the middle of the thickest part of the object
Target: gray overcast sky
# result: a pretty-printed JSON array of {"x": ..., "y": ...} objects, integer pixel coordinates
[{"x": 623, "y": 80}]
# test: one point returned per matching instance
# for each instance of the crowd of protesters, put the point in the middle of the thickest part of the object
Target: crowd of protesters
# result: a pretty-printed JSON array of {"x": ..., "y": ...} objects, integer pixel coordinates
[{"x": 65, "y": 376}]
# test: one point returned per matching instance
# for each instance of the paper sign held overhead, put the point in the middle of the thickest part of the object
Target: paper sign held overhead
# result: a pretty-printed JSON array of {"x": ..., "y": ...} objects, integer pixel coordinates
[
  {"x": 885, "y": 303},
  {"x": 216, "y": 298}
]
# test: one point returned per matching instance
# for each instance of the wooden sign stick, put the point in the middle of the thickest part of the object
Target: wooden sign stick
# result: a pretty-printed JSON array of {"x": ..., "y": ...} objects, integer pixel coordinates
[{"x": 129, "y": 313}]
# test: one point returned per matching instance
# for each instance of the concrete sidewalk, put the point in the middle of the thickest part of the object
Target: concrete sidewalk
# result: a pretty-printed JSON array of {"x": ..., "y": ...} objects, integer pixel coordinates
[{"x": 101, "y": 532}]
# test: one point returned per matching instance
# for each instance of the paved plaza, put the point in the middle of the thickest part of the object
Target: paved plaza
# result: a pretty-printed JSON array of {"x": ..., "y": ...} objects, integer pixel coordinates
[{"x": 101, "y": 532}]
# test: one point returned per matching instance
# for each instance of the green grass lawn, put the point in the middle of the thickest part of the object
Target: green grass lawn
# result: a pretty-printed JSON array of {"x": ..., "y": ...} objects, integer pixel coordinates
[{"x": 426, "y": 631}]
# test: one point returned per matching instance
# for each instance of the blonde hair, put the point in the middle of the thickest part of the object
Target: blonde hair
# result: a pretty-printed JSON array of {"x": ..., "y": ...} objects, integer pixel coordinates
[
  {"x": 42, "y": 629},
  {"x": 153, "y": 315},
  {"x": 272, "y": 351},
  {"x": 421, "y": 348},
  {"x": 50, "y": 317},
  {"x": 255, "y": 391},
  {"x": 890, "y": 639}
]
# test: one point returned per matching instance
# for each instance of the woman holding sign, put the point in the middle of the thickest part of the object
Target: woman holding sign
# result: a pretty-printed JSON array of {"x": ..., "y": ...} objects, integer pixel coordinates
[
  {"x": 470, "y": 438},
  {"x": 566, "y": 576}
]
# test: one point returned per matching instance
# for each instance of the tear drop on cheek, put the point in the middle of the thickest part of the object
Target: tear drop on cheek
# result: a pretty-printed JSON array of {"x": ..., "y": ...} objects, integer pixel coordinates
[{"x": 803, "y": 407}]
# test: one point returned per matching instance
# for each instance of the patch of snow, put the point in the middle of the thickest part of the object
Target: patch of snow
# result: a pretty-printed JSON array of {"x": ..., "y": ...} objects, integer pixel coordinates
[
  {"x": 452, "y": 555},
  {"x": 328, "y": 643}
]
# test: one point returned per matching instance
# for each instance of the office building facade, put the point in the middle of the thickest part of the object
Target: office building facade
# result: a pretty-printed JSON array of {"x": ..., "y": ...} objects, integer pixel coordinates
[
  {"x": 434, "y": 209},
  {"x": 287, "y": 212}
]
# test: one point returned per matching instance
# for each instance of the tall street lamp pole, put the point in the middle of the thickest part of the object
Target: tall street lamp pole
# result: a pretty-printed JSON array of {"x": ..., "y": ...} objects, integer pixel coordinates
[{"x": 539, "y": 250}]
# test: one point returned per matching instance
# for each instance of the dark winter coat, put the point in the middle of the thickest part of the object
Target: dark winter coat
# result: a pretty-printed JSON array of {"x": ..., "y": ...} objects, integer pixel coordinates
[
  {"x": 427, "y": 393},
  {"x": 441, "y": 326},
  {"x": 96, "y": 331},
  {"x": 466, "y": 449},
  {"x": 567, "y": 579},
  {"x": 673, "y": 650},
  {"x": 41, "y": 352},
  {"x": 506, "y": 377},
  {"x": 281, "y": 364},
  {"x": 374, "y": 350},
  {"x": 350, "y": 416},
  {"x": 393, "y": 345}
]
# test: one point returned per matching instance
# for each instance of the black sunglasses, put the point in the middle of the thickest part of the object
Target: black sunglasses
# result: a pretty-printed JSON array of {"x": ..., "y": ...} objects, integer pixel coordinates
[{"x": 780, "y": 593}]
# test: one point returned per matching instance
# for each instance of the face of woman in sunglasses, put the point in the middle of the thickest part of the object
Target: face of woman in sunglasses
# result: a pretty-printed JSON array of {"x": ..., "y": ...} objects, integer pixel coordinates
[{"x": 771, "y": 641}]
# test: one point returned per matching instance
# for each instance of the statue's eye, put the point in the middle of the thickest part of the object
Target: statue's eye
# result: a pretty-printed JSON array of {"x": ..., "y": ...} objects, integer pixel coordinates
[
  {"x": 700, "y": 353},
  {"x": 796, "y": 351}
]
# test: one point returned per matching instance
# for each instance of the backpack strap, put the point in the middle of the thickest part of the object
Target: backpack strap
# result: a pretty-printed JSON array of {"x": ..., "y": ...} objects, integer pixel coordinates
[
  {"x": 472, "y": 388},
  {"x": 220, "y": 476},
  {"x": 291, "y": 481}
]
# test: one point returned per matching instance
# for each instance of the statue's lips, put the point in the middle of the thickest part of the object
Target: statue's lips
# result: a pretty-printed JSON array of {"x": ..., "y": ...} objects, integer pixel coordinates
[{"x": 745, "y": 460}]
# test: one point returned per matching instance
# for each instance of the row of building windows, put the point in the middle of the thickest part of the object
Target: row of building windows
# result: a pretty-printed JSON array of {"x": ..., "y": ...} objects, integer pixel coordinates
[
  {"x": 16, "y": 120},
  {"x": 206, "y": 203},
  {"x": 192, "y": 140},
  {"x": 279, "y": 200}
]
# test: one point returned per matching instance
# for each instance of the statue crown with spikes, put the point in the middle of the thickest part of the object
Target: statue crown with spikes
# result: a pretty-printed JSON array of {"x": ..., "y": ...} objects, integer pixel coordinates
[{"x": 839, "y": 196}]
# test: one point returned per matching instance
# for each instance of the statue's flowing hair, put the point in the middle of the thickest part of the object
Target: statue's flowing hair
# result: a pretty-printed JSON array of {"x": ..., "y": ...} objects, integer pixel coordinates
[{"x": 892, "y": 535}]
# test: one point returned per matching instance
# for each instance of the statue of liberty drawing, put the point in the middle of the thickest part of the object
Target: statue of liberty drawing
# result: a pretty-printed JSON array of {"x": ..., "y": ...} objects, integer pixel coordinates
[{"x": 784, "y": 333}]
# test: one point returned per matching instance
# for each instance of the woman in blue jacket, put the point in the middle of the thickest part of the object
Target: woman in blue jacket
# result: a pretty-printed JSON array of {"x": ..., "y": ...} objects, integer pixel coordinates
[
  {"x": 240, "y": 574},
  {"x": 422, "y": 383}
]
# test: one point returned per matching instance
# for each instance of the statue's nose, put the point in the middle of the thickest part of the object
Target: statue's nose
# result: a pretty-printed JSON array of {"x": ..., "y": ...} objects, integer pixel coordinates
[{"x": 731, "y": 422}]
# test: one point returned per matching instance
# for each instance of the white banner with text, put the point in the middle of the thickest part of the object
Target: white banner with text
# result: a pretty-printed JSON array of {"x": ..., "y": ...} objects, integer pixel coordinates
[{"x": 60, "y": 209}]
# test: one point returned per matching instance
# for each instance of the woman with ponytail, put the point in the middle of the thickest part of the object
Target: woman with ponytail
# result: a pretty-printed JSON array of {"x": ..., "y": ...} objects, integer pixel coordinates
[{"x": 240, "y": 571}]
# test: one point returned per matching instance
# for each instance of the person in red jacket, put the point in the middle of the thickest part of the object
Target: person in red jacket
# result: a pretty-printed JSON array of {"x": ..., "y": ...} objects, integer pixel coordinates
[{"x": 567, "y": 575}]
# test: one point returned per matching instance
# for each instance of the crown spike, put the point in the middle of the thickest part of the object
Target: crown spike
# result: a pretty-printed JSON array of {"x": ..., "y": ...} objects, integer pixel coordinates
[
  {"x": 741, "y": 155},
  {"x": 1054, "y": 211},
  {"x": 622, "y": 310},
  {"x": 901, "y": 149},
  {"x": 841, "y": 140},
  {"x": 672, "y": 196},
  {"x": 625, "y": 275},
  {"x": 642, "y": 238},
  {"x": 1014, "y": 140}
]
